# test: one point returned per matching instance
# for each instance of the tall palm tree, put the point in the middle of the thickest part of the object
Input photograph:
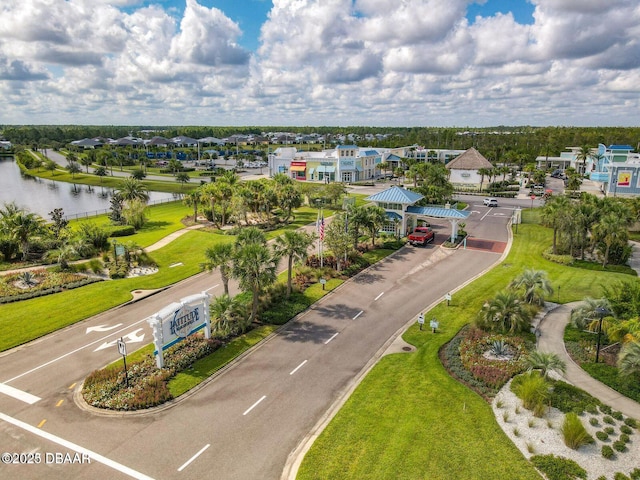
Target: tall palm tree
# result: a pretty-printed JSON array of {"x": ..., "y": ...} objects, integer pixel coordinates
[
  {"x": 357, "y": 218},
  {"x": 220, "y": 256},
  {"x": 534, "y": 285},
  {"x": 545, "y": 362},
  {"x": 629, "y": 359},
  {"x": 193, "y": 200},
  {"x": 552, "y": 215},
  {"x": 254, "y": 265},
  {"x": 611, "y": 229},
  {"x": 504, "y": 313},
  {"x": 100, "y": 172},
  {"x": 131, "y": 189},
  {"x": 375, "y": 220},
  {"x": 582, "y": 156},
  {"x": 294, "y": 246},
  {"x": 483, "y": 172}
]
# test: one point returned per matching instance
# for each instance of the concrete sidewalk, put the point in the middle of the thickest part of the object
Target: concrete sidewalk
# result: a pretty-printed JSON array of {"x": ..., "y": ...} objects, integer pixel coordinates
[{"x": 552, "y": 340}]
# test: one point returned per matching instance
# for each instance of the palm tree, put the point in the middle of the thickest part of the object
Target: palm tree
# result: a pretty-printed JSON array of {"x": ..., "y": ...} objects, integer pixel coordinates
[
  {"x": 504, "y": 313},
  {"x": 610, "y": 230},
  {"x": 294, "y": 246},
  {"x": 220, "y": 256},
  {"x": 357, "y": 217},
  {"x": 183, "y": 178},
  {"x": 483, "y": 172},
  {"x": 375, "y": 220},
  {"x": 132, "y": 189},
  {"x": 629, "y": 359},
  {"x": 51, "y": 166},
  {"x": 552, "y": 214},
  {"x": 250, "y": 236},
  {"x": 100, "y": 172},
  {"x": 254, "y": 265},
  {"x": 88, "y": 159},
  {"x": 545, "y": 362},
  {"x": 226, "y": 316},
  {"x": 192, "y": 200},
  {"x": 587, "y": 314},
  {"x": 583, "y": 155},
  {"x": 23, "y": 226},
  {"x": 534, "y": 285}
]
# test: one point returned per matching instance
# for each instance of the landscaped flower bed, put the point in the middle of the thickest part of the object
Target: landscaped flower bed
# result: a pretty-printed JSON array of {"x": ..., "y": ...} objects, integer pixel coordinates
[
  {"x": 36, "y": 283},
  {"x": 147, "y": 388}
]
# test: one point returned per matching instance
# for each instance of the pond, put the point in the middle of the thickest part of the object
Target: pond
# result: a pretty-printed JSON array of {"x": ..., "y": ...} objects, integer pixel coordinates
[{"x": 42, "y": 196}]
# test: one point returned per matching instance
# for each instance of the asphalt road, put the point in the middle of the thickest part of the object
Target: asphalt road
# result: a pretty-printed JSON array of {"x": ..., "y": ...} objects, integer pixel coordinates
[{"x": 244, "y": 423}]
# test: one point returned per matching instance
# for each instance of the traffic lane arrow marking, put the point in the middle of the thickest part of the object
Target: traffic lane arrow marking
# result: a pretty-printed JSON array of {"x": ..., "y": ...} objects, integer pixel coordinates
[
  {"x": 102, "y": 328},
  {"x": 130, "y": 338}
]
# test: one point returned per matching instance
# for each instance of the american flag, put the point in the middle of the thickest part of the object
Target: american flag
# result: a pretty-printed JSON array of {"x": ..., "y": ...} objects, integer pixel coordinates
[{"x": 321, "y": 228}]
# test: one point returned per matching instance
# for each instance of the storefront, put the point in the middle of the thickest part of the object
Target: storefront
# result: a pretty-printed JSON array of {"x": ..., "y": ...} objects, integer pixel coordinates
[{"x": 297, "y": 170}]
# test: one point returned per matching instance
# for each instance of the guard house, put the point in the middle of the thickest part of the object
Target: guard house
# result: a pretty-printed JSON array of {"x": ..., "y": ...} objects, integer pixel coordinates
[{"x": 403, "y": 214}]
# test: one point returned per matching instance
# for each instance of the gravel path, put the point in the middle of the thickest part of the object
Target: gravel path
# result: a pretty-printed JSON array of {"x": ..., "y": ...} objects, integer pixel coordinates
[{"x": 544, "y": 437}]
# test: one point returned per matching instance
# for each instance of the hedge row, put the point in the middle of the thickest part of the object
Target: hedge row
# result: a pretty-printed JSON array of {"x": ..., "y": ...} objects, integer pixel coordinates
[{"x": 49, "y": 291}]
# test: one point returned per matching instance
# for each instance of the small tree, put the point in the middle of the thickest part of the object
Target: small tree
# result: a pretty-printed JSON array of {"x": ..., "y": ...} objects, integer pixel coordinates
[{"x": 183, "y": 178}]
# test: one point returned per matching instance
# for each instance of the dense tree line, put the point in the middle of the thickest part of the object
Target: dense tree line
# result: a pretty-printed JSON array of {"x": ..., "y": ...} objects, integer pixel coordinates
[{"x": 498, "y": 144}]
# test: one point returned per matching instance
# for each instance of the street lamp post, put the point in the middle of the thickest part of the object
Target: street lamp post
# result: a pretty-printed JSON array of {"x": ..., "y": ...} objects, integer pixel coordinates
[{"x": 602, "y": 312}]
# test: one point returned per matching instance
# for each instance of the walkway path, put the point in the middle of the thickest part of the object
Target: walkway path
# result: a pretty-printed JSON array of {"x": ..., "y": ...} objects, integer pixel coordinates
[{"x": 552, "y": 340}]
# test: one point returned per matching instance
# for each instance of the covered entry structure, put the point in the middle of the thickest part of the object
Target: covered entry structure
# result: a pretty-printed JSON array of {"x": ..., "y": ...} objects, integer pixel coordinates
[{"x": 399, "y": 203}]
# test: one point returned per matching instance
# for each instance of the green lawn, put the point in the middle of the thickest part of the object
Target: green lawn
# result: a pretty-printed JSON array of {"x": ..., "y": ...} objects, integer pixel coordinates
[
  {"x": 409, "y": 419},
  {"x": 164, "y": 219}
]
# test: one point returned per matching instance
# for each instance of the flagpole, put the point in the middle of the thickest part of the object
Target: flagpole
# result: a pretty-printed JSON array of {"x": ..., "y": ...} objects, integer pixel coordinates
[
  {"x": 321, "y": 238},
  {"x": 318, "y": 231}
]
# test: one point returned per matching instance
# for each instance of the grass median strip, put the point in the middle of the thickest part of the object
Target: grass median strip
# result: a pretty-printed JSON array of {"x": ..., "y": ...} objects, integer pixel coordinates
[{"x": 409, "y": 419}]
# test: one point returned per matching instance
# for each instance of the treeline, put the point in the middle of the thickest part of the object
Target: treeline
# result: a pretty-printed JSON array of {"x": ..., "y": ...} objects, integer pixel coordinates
[{"x": 495, "y": 143}]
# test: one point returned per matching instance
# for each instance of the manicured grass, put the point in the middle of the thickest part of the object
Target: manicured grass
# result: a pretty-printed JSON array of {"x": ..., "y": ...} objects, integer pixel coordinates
[
  {"x": 164, "y": 218},
  {"x": 171, "y": 185},
  {"x": 43, "y": 315},
  {"x": 205, "y": 367},
  {"x": 410, "y": 419}
]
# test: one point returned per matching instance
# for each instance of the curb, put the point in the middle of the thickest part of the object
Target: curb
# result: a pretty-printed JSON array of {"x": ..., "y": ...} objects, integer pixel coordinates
[{"x": 295, "y": 458}]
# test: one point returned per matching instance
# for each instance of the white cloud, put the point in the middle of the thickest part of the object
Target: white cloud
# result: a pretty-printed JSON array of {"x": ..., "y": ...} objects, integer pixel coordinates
[{"x": 373, "y": 62}]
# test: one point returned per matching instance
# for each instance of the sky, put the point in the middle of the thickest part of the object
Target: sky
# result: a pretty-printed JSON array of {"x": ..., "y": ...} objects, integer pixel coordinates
[{"x": 473, "y": 63}]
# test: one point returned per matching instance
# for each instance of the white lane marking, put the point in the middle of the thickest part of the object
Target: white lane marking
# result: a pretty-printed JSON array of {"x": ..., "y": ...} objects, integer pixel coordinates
[
  {"x": 358, "y": 314},
  {"x": 18, "y": 394},
  {"x": 332, "y": 337},
  {"x": 72, "y": 352},
  {"x": 254, "y": 405},
  {"x": 488, "y": 212},
  {"x": 186, "y": 464},
  {"x": 102, "y": 328},
  {"x": 76, "y": 448},
  {"x": 378, "y": 296},
  {"x": 216, "y": 285},
  {"x": 297, "y": 368},
  {"x": 130, "y": 338}
]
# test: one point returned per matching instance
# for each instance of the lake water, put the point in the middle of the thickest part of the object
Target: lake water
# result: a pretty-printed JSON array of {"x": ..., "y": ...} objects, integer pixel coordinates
[{"x": 42, "y": 196}]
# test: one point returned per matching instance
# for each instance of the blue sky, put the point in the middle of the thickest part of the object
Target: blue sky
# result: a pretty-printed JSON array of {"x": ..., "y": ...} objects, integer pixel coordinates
[{"x": 320, "y": 62}]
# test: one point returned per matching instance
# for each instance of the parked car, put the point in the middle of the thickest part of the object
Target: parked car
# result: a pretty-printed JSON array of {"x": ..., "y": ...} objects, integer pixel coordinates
[
  {"x": 421, "y": 236},
  {"x": 490, "y": 202}
]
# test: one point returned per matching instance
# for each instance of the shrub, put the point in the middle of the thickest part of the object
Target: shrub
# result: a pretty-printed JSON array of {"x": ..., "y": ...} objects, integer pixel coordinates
[
  {"x": 558, "y": 468},
  {"x": 532, "y": 389},
  {"x": 602, "y": 436},
  {"x": 121, "y": 231},
  {"x": 593, "y": 421},
  {"x": 624, "y": 438},
  {"x": 609, "y": 430},
  {"x": 567, "y": 398},
  {"x": 635, "y": 474},
  {"x": 607, "y": 452},
  {"x": 619, "y": 446},
  {"x": 574, "y": 433},
  {"x": 516, "y": 432},
  {"x": 620, "y": 476},
  {"x": 626, "y": 429},
  {"x": 592, "y": 409},
  {"x": 617, "y": 415},
  {"x": 609, "y": 420},
  {"x": 606, "y": 409},
  {"x": 631, "y": 422}
]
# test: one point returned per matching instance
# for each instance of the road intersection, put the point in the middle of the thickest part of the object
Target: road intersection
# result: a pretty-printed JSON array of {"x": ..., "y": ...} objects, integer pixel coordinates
[{"x": 246, "y": 421}]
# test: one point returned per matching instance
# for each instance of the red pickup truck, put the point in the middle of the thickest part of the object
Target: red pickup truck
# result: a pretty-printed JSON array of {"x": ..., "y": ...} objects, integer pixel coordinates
[{"x": 421, "y": 236}]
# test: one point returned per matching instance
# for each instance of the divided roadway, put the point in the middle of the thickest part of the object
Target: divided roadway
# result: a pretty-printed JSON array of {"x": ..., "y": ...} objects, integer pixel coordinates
[{"x": 245, "y": 422}]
